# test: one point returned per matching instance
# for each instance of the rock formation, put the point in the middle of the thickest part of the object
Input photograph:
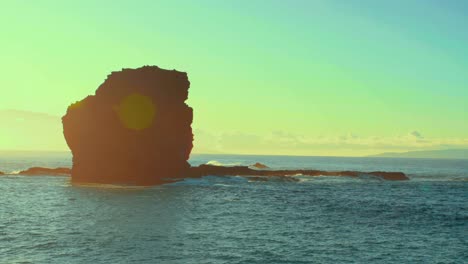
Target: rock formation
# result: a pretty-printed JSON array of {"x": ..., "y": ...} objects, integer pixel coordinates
[
  {"x": 46, "y": 171},
  {"x": 251, "y": 174},
  {"x": 259, "y": 165},
  {"x": 204, "y": 170},
  {"x": 136, "y": 129}
]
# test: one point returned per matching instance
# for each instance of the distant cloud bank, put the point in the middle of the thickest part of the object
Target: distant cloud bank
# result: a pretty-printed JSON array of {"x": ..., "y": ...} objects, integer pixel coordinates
[
  {"x": 25, "y": 130},
  {"x": 286, "y": 143}
]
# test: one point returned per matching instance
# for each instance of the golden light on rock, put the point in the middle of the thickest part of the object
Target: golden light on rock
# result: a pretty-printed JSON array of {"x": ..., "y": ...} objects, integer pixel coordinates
[
  {"x": 76, "y": 105},
  {"x": 136, "y": 111}
]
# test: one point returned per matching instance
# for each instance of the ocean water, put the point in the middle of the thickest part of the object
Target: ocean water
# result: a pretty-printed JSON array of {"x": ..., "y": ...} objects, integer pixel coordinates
[{"x": 44, "y": 219}]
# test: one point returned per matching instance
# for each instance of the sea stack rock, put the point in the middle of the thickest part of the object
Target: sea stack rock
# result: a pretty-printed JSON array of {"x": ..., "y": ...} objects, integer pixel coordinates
[{"x": 135, "y": 130}]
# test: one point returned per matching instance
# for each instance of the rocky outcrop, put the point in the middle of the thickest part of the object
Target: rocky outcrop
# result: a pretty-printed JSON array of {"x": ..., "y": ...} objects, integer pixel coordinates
[
  {"x": 204, "y": 170},
  {"x": 136, "y": 129},
  {"x": 259, "y": 165},
  {"x": 392, "y": 176},
  {"x": 251, "y": 174},
  {"x": 46, "y": 171}
]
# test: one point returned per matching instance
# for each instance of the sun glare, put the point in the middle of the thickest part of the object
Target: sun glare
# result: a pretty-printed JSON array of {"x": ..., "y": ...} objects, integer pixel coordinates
[{"x": 136, "y": 111}]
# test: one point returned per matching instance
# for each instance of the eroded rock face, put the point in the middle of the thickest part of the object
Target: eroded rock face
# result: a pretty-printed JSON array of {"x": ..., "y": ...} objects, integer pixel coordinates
[{"x": 136, "y": 129}]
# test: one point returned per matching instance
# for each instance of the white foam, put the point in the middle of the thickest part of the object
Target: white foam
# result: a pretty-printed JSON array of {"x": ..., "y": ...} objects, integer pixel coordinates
[{"x": 217, "y": 163}]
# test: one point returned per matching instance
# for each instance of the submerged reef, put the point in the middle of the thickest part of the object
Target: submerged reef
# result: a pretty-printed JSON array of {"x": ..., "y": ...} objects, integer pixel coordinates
[{"x": 136, "y": 129}]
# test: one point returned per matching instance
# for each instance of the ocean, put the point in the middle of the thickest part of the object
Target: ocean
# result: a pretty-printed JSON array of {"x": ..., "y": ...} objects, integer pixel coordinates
[{"x": 43, "y": 219}]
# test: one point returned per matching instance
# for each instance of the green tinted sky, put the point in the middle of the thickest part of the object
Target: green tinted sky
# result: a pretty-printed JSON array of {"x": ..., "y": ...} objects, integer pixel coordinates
[{"x": 268, "y": 77}]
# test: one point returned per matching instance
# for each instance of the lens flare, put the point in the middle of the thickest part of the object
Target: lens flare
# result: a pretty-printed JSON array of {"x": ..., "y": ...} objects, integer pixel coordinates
[{"x": 136, "y": 111}]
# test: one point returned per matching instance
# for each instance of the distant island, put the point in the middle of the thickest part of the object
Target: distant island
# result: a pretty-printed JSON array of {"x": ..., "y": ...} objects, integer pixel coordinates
[{"x": 428, "y": 154}]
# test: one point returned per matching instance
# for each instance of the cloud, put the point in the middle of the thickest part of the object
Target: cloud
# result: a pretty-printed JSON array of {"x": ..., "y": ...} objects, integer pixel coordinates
[
  {"x": 284, "y": 138},
  {"x": 25, "y": 130},
  {"x": 416, "y": 134},
  {"x": 350, "y": 144},
  {"x": 20, "y": 115},
  {"x": 205, "y": 142},
  {"x": 239, "y": 141}
]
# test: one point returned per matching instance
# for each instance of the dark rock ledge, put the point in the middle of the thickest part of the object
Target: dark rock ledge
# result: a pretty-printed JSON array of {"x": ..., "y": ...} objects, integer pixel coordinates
[{"x": 252, "y": 174}]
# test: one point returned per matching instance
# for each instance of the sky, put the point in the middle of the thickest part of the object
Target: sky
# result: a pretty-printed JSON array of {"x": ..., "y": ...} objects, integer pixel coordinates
[{"x": 339, "y": 78}]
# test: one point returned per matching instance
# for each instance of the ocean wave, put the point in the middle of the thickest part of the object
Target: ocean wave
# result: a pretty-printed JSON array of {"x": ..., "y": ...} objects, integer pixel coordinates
[
  {"x": 298, "y": 178},
  {"x": 217, "y": 163},
  {"x": 438, "y": 178},
  {"x": 327, "y": 178},
  {"x": 460, "y": 179}
]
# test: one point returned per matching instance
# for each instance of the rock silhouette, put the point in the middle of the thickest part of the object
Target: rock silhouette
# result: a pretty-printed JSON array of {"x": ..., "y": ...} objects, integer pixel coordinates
[
  {"x": 259, "y": 165},
  {"x": 136, "y": 129}
]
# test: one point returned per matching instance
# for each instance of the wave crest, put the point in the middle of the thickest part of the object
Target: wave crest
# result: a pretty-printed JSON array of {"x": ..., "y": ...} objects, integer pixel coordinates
[{"x": 220, "y": 164}]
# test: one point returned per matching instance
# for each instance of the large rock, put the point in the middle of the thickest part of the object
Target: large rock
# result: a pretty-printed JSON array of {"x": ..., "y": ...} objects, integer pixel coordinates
[{"x": 136, "y": 129}]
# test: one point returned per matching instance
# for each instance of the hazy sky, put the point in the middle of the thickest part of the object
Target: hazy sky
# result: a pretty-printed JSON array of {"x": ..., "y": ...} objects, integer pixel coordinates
[{"x": 267, "y": 77}]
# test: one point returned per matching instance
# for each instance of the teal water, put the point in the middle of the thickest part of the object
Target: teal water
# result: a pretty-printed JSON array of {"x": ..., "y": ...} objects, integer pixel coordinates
[{"x": 231, "y": 220}]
